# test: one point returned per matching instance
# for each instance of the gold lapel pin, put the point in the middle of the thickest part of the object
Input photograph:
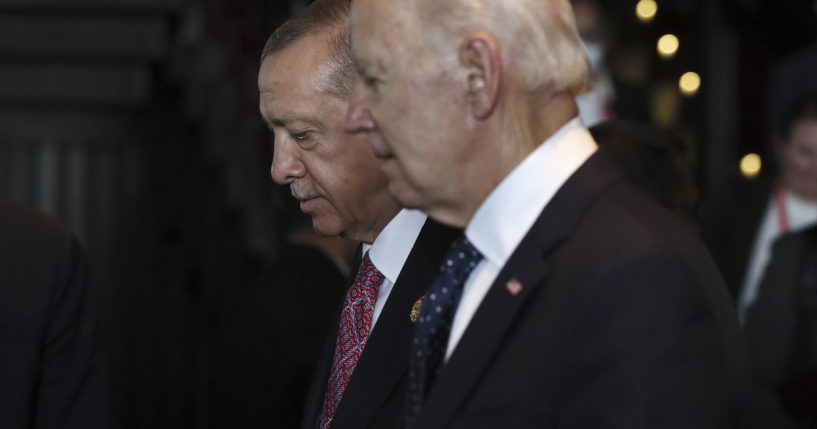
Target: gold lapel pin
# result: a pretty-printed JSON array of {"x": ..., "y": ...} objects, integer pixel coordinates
[
  {"x": 513, "y": 286},
  {"x": 415, "y": 310}
]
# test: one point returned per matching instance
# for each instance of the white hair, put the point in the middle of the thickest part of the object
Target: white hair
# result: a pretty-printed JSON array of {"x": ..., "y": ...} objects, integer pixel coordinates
[{"x": 538, "y": 38}]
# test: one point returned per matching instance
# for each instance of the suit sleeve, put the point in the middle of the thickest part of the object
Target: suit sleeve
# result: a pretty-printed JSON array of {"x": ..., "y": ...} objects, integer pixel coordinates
[
  {"x": 72, "y": 391},
  {"x": 648, "y": 350}
]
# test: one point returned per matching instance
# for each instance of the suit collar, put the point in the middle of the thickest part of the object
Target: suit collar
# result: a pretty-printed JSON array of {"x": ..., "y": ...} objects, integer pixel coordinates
[
  {"x": 528, "y": 266},
  {"x": 385, "y": 359},
  {"x": 392, "y": 246},
  {"x": 509, "y": 211}
]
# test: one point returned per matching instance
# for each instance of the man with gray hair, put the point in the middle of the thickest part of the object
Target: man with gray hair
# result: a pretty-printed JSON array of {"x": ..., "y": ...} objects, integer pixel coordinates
[
  {"x": 305, "y": 80},
  {"x": 571, "y": 300}
]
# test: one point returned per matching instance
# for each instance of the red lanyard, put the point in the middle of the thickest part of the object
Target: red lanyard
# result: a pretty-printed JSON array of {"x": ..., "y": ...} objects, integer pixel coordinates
[{"x": 782, "y": 209}]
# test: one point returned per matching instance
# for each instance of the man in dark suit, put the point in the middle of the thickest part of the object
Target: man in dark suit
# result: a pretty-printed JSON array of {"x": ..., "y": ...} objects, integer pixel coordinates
[
  {"x": 304, "y": 83},
  {"x": 571, "y": 300},
  {"x": 781, "y": 333},
  {"x": 51, "y": 373}
]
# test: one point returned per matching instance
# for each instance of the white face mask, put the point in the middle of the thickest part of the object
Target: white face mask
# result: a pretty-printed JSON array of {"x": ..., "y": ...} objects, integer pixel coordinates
[{"x": 595, "y": 52}]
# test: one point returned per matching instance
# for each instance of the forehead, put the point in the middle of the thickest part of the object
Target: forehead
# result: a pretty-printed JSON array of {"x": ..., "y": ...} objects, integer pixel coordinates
[
  {"x": 805, "y": 131},
  {"x": 297, "y": 77},
  {"x": 306, "y": 63},
  {"x": 380, "y": 23}
]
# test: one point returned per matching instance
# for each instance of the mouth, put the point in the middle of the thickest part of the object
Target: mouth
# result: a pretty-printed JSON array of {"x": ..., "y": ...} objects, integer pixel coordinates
[
  {"x": 379, "y": 148},
  {"x": 307, "y": 205},
  {"x": 383, "y": 156}
]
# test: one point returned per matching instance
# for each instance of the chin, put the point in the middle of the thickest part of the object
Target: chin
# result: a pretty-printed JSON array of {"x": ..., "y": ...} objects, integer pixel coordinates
[
  {"x": 327, "y": 227},
  {"x": 405, "y": 195}
]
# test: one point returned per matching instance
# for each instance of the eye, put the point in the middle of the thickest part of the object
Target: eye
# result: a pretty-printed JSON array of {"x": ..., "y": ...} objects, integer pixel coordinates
[
  {"x": 371, "y": 82},
  {"x": 306, "y": 140},
  {"x": 300, "y": 136}
]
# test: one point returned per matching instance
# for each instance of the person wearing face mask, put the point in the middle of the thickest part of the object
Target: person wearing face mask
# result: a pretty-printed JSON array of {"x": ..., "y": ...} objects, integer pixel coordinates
[
  {"x": 779, "y": 296},
  {"x": 742, "y": 229}
]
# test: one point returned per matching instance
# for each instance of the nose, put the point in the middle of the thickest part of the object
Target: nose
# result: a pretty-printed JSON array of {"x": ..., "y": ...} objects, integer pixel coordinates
[
  {"x": 358, "y": 118},
  {"x": 286, "y": 165}
]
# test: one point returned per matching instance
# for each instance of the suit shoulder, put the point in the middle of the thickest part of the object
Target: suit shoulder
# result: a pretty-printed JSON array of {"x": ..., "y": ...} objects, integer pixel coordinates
[
  {"x": 34, "y": 248},
  {"x": 20, "y": 223}
]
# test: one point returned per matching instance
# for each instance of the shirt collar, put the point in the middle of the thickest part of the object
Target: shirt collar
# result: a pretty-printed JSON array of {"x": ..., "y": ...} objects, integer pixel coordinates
[
  {"x": 510, "y": 210},
  {"x": 392, "y": 246}
]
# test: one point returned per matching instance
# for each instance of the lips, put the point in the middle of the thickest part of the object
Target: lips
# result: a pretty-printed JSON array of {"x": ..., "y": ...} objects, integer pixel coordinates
[{"x": 379, "y": 148}]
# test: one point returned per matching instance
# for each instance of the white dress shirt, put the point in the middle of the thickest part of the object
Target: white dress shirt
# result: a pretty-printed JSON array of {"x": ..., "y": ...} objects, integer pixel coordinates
[
  {"x": 508, "y": 213},
  {"x": 801, "y": 214},
  {"x": 390, "y": 249}
]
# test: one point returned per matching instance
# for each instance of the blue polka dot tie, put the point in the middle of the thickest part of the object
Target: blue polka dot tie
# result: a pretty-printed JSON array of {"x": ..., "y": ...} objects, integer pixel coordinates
[{"x": 434, "y": 325}]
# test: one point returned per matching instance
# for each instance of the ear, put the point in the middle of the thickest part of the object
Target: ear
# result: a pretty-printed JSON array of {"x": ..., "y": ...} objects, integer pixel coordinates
[{"x": 479, "y": 54}]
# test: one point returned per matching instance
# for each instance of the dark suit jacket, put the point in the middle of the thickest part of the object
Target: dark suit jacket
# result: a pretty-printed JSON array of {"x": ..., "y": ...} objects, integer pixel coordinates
[
  {"x": 50, "y": 365},
  {"x": 730, "y": 224},
  {"x": 375, "y": 394},
  {"x": 781, "y": 333},
  {"x": 267, "y": 338},
  {"x": 622, "y": 322}
]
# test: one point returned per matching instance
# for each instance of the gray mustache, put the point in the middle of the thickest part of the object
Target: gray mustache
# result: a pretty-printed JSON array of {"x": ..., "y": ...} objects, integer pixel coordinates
[{"x": 300, "y": 191}]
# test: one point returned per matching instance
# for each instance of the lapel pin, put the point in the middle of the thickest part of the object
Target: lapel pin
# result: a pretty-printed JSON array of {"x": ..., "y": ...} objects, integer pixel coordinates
[
  {"x": 415, "y": 310},
  {"x": 513, "y": 286}
]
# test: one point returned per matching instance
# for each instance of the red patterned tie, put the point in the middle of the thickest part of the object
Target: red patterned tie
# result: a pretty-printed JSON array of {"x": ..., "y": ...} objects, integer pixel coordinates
[{"x": 355, "y": 323}]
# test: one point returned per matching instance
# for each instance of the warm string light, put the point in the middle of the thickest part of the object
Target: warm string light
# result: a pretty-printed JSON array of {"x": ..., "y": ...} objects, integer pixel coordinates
[
  {"x": 751, "y": 165},
  {"x": 646, "y": 10},
  {"x": 668, "y": 46},
  {"x": 690, "y": 83}
]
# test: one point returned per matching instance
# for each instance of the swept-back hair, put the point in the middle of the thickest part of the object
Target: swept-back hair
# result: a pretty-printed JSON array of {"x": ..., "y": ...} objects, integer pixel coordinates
[{"x": 321, "y": 15}]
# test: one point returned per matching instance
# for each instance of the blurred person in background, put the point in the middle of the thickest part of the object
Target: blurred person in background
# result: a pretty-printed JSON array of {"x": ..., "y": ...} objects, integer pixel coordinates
[
  {"x": 792, "y": 77},
  {"x": 595, "y": 105},
  {"x": 271, "y": 329},
  {"x": 781, "y": 334},
  {"x": 51, "y": 366},
  {"x": 741, "y": 226},
  {"x": 305, "y": 80}
]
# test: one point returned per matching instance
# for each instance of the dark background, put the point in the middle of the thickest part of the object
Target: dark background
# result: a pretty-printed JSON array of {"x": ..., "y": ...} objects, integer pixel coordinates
[{"x": 135, "y": 122}]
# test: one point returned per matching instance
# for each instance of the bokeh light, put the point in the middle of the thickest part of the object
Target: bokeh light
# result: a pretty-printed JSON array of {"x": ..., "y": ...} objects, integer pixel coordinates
[
  {"x": 668, "y": 46},
  {"x": 690, "y": 83},
  {"x": 646, "y": 10},
  {"x": 751, "y": 165}
]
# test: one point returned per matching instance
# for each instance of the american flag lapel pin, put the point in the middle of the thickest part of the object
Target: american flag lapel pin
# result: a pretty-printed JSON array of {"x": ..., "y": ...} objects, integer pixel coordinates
[{"x": 513, "y": 286}]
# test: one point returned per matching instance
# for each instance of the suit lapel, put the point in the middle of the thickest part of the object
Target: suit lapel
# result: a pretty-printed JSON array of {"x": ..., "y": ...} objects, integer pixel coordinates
[
  {"x": 385, "y": 359},
  {"x": 527, "y": 266},
  {"x": 317, "y": 389}
]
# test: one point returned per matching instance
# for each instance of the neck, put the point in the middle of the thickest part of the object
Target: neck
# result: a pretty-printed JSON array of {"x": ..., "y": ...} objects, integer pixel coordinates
[
  {"x": 368, "y": 233},
  {"x": 517, "y": 129}
]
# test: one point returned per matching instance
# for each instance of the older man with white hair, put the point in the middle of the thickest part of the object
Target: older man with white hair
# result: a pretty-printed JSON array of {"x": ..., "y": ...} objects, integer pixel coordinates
[{"x": 571, "y": 300}]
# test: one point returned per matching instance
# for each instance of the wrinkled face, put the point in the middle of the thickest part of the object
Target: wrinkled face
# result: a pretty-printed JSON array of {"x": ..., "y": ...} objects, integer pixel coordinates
[
  {"x": 331, "y": 172},
  {"x": 799, "y": 157},
  {"x": 410, "y": 104}
]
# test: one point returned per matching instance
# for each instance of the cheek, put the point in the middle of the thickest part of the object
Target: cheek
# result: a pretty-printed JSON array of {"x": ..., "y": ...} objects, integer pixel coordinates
[{"x": 799, "y": 165}]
